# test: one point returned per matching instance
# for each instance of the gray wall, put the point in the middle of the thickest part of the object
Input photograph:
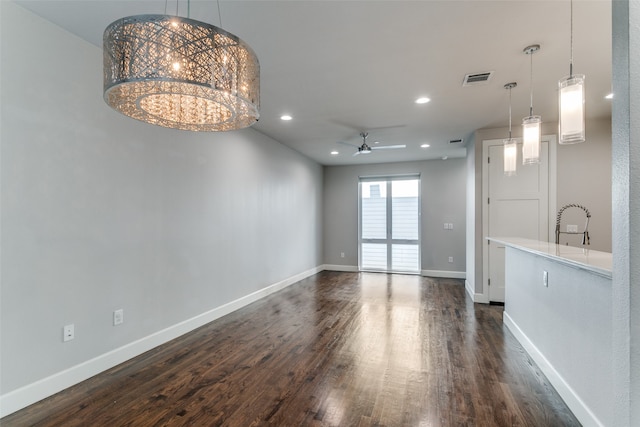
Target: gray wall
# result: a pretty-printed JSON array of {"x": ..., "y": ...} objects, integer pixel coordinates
[
  {"x": 443, "y": 200},
  {"x": 583, "y": 177},
  {"x": 101, "y": 212}
]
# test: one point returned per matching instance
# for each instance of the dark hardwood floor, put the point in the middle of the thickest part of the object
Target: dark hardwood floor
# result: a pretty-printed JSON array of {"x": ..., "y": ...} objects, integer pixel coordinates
[{"x": 336, "y": 349}]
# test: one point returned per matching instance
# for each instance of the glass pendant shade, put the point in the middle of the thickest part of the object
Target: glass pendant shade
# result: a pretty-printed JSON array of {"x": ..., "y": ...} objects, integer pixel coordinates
[
  {"x": 572, "y": 111},
  {"x": 531, "y": 132},
  {"x": 180, "y": 73},
  {"x": 510, "y": 155}
]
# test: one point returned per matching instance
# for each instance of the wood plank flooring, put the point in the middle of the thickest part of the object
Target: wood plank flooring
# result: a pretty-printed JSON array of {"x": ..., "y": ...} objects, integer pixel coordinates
[{"x": 336, "y": 349}]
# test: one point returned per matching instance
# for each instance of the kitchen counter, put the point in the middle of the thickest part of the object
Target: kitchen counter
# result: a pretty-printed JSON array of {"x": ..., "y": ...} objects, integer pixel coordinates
[{"x": 586, "y": 259}]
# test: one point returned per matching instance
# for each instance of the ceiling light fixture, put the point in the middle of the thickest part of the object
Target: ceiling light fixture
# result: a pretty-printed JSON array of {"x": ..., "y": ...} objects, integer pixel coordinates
[
  {"x": 610, "y": 96},
  {"x": 180, "y": 73},
  {"x": 422, "y": 100},
  {"x": 286, "y": 117},
  {"x": 425, "y": 146},
  {"x": 572, "y": 112},
  {"x": 334, "y": 153},
  {"x": 531, "y": 125},
  {"x": 510, "y": 145}
]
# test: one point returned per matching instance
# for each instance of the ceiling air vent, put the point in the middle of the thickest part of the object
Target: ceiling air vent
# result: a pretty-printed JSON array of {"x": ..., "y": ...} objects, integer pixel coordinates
[
  {"x": 455, "y": 141},
  {"x": 477, "y": 79}
]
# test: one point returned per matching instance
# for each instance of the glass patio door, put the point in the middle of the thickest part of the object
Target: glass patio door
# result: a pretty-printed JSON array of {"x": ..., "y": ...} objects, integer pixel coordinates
[{"x": 389, "y": 226}]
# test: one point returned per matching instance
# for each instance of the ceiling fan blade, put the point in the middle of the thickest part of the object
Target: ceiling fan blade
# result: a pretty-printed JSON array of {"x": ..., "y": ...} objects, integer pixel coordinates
[
  {"x": 388, "y": 147},
  {"x": 356, "y": 153},
  {"x": 350, "y": 145}
]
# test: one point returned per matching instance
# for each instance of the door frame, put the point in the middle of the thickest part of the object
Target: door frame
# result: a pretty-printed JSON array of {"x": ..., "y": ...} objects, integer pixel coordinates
[
  {"x": 552, "y": 194},
  {"x": 388, "y": 240}
]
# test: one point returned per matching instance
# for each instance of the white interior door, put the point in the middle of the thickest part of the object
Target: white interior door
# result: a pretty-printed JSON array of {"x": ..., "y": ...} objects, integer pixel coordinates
[{"x": 515, "y": 206}]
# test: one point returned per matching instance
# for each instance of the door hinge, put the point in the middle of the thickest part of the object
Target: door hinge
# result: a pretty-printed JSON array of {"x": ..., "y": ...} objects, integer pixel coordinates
[
  {"x": 488, "y": 200},
  {"x": 489, "y": 282},
  {"x": 488, "y": 242},
  {"x": 488, "y": 159}
]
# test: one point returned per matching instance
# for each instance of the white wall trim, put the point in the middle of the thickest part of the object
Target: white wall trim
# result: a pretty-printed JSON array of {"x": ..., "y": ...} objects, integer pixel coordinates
[
  {"x": 444, "y": 274},
  {"x": 41, "y": 389},
  {"x": 573, "y": 401},
  {"x": 337, "y": 267},
  {"x": 479, "y": 298},
  {"x": 469, "y": 289}
]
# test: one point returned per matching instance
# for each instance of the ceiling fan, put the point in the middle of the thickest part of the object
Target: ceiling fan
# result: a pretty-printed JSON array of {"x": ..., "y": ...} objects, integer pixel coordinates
[{"x": 366, "y": 149}]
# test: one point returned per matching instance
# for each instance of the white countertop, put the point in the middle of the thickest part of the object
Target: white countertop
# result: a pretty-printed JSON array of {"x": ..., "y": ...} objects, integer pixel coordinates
[{"x": 586, "y": 259}]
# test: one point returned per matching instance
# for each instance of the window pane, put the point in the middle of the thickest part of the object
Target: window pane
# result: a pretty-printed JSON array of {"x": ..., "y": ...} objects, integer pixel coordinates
[
  {"x": 404, "y": 205},
  {"x": 405, "y": 258},
  {"x": 374, "y": 256},
  {"x": 374, "y": 210}
]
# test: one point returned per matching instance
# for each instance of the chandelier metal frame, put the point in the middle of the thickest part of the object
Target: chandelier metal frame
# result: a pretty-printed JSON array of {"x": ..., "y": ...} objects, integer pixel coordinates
[{"x": 180, "y": 73}]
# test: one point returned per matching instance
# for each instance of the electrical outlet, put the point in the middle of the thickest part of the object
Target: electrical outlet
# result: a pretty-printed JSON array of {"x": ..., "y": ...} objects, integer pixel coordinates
[
  {"x": 545, "y": 279},
  {"x": 68, "y": 333},
  {"x": 118, "y": 317},
  {"x": 450, "y": 226},
  {"x": 341, "y": 254},
  {"x": 446, "y": 225},
  {"x": 450, "y": 259}
]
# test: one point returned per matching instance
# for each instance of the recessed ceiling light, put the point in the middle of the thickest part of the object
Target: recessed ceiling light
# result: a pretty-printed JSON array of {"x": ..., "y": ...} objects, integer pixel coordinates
[
  {"x": 425, "y": 146},
  {"x": 286, "y": 117},
  {"x": 610, "y": 96},
  {"x": 334, "y": 153},
  {"x": 422, "y": 100}
]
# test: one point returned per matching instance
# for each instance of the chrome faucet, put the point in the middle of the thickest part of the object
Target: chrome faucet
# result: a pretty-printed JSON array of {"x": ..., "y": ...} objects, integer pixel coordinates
[{"x": 585, "y": 233}]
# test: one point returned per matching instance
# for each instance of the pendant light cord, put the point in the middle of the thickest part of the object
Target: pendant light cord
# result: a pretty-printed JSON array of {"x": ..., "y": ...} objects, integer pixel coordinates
[
  {"x": 531, "y": 83},
  {"x": 510, "y": 112},
  {"x": 571, "y": 43},
  {"x": 166, "y": 5},
  {"x": 219, "y": 14},
  {"x": 166, "y": 2}
]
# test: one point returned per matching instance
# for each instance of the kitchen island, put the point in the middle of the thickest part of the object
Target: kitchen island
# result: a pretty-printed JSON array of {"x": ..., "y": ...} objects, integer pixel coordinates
[{"x": 558, "y": 305}]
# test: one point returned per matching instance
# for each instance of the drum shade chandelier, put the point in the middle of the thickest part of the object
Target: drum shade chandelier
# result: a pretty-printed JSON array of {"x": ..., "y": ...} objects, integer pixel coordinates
[{"x": 180, "y": 73}]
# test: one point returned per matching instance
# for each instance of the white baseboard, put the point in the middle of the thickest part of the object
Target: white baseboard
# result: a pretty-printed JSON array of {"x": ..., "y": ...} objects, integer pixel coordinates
[
  {"x": 573, "y": 401},
  {"x": 337, "y": 267},
  {"x": 444, "y": 274},
  {"x": 34, "y": 392},
  {"x": 429, "y": 273},
  {"x": 479, "y": 298}
]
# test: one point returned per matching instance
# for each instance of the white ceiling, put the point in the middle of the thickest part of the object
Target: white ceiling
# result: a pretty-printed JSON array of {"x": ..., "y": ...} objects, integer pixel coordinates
[{"x": 341, "y": 67}]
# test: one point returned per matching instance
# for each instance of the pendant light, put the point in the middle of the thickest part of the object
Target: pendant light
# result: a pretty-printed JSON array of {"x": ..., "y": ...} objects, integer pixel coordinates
[
  {"x": 510, "y": 146},
  {"x": 180, "y": 73},
  {"x": 571, "y": 122},
  {"x": 531, "y": 125}
]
